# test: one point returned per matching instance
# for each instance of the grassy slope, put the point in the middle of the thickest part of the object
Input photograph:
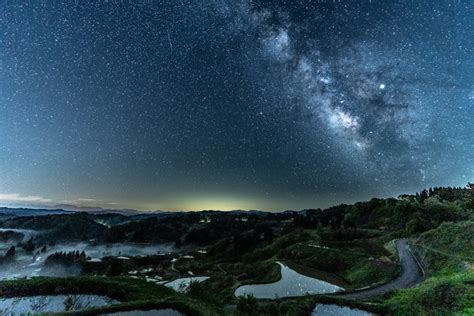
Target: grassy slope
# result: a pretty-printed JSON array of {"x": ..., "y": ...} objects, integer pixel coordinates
[
  {"x": 133, "y": 293},
  {"x": 447, "y": 252}
]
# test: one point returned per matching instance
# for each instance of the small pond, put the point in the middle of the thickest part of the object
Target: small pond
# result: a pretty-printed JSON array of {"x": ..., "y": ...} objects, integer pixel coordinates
[
  {"x": 291, "y": 284},
  {"x": 182, "y": 284},
  {"x": 336, "y": 310},
  {"x": 153, "y": 312},
  {"x": 51, "y": 304}
]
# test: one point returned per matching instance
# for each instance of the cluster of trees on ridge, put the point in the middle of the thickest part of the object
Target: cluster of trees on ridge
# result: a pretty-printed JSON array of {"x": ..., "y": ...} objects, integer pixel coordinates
[{"x": 410, "y": 213}]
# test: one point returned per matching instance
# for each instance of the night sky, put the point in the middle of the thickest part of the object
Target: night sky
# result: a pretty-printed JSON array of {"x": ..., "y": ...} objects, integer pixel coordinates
[{"x": 229, "y": 104}]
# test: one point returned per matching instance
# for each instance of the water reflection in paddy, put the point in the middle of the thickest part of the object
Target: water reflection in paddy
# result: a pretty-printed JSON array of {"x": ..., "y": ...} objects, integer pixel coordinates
[
  {"x": 336, "y": 310},
  {"x": 291, "y": 284},
  {"x": 51, "y": 304},
  {"x": 182, "y": 284},
  {"x": 153, "y": 312}
]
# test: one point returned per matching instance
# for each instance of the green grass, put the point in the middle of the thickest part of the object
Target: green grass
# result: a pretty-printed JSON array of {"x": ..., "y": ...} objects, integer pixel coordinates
[
  {"x": 447, "y": 253},
  {"x": 449, "y": 243},
  {"x": 391, "y": 247},
  {"x": 132, "y": 293},
  {"x": 446, "y": 294},
  {"x": 120, "y": 288}
]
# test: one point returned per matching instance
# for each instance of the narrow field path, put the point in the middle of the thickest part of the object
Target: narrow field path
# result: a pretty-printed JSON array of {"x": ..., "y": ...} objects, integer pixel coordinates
[
  {"x": 410, "y": 275},
  {"x": 447, "y": 254}
]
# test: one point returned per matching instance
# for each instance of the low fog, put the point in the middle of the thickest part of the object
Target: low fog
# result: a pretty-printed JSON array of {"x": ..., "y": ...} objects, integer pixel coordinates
[{"x": 30, "y": 264}]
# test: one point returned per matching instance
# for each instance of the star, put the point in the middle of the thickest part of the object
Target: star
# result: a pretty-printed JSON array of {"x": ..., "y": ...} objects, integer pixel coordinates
[{"x": 171, "y": 106}]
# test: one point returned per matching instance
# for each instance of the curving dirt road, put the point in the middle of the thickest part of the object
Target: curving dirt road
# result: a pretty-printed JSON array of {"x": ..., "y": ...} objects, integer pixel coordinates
[{"x": 410, "y": 275}]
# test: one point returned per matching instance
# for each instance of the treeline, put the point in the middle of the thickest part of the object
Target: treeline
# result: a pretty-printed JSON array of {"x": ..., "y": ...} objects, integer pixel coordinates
[
  {"x": 450, "y": 194},
  {"x": 413, "y": 213},
  {"x": 9, "y": 255},
  {"x": 10, "y": 235},
  {"x": 196, "y": 228},
  {"x": 62, "y": 227},
  {"x": 147, "y": 230},
  {"x": 67, "y": 259}
]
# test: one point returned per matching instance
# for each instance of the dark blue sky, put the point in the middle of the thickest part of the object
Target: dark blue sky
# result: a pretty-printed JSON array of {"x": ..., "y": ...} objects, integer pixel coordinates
[{"x": 233, "y": 104}]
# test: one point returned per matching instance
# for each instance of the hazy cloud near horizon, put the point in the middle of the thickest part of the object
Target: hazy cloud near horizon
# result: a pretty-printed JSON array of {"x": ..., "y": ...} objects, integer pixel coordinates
[{"x": 17, "y": 200}]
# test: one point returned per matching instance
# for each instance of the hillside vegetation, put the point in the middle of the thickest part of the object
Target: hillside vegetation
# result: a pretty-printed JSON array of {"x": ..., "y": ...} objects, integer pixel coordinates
[
  {"x": 351, "y": 246},
  {"x": 447, "y": 253}
]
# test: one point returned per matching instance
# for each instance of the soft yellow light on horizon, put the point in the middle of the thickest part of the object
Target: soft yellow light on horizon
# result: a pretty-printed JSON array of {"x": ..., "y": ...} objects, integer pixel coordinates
[{"x": 220, "y": 203}]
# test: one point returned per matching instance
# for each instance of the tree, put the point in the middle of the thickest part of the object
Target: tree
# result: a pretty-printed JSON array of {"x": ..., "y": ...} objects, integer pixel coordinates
[
  {"x": 417, "y": 225},
  {"x": 11, "y": 252},
  {"x": 349, "y": 224},
  {"x": 311, "y": 218},
  {"x": 470, "y": 187},
  {"x": 29, "y": 246},
  {"x": 335, "y": 223},
  {"x": 470, "y": 203},
  {"x": 243, "y": 243},
  {"x": 263, "y": 231},
  {"x": 423, "y": 195},
  {"x": 247, "y": 305}
]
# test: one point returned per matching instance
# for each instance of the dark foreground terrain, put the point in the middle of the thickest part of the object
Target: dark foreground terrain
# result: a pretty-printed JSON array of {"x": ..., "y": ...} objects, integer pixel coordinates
[{"x": 411, "y": 255}]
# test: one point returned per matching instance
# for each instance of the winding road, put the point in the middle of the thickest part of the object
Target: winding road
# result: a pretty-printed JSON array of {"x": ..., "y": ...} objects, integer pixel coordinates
[{"x": 411, "y": 274}]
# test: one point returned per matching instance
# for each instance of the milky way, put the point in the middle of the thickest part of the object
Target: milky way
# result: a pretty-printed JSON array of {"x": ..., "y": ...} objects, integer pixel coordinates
[{"x": 233, "y": 104}]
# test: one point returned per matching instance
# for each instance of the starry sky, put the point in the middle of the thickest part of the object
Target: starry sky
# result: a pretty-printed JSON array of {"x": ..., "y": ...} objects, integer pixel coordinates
[{"x": 233, "y": 104}]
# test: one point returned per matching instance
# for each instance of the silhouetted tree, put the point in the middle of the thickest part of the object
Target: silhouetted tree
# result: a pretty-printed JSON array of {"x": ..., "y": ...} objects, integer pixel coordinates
[{"x": 11, "y": 252}]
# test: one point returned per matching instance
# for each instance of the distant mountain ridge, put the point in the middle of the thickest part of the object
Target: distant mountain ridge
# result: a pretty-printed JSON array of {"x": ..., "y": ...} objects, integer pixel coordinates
[
  {"x": 71, "y": 209},
  {"x": 32, "y": 211},
  {"x": 97, "y": 210}
]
